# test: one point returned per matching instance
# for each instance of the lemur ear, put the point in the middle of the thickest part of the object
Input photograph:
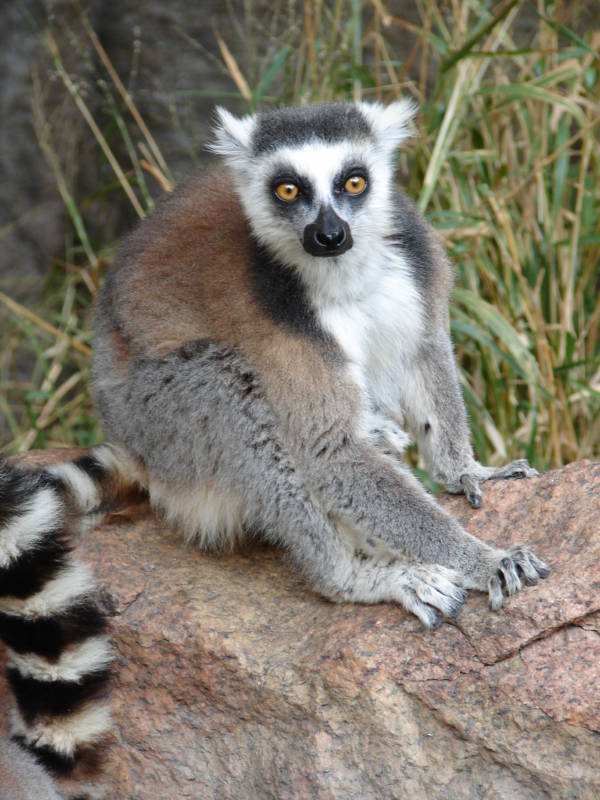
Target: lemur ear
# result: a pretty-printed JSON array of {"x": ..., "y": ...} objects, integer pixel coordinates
[
  {"x": 391, "y": 124},
  {"x": 232, "y": 136}
]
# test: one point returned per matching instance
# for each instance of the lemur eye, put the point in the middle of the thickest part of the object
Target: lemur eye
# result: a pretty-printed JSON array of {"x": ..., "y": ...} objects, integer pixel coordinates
[
  {"x": 356, "y": 184},
  {"x": 287, "y": 191}
]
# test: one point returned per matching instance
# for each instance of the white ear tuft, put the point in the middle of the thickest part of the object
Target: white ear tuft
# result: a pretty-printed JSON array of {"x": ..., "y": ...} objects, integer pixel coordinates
[
  {"x": 232, "y": 135},
  {"x": 391, "y": 124}
]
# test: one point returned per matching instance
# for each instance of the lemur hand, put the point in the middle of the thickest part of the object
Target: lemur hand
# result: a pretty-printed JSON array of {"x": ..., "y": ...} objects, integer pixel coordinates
[{"x": 469, "y": 482}]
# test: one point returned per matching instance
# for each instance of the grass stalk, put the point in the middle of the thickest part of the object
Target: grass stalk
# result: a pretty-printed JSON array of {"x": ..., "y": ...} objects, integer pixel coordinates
[
  {"x": 86, "y": 114},
  {"x": 133, "y": 110},
  {"x": 25, "y": 313}
]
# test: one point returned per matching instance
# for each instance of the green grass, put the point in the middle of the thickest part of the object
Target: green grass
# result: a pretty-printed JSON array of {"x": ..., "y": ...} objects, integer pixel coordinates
[{"x": 505, "y": 166}]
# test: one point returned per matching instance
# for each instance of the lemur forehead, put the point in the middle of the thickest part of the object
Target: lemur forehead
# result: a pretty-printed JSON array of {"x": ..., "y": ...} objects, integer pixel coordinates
[{"x": 293, "y": 127}]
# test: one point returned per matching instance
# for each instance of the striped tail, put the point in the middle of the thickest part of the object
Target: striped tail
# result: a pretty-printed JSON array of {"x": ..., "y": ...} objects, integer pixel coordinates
[{"x": 51, "y": 620}]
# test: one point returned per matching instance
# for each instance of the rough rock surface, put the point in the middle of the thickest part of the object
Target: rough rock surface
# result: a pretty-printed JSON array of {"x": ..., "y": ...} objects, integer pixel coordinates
[{"x": 236, "y": 681}]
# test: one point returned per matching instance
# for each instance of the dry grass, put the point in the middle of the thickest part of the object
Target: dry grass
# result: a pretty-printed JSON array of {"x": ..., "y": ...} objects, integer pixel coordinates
[{"x": 506, "y": 167}]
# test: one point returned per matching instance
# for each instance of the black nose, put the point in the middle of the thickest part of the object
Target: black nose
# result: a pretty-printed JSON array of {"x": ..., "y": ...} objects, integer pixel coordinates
[
  {"x": 328, "y": 235},
  {"x": 330, "y": 239}
]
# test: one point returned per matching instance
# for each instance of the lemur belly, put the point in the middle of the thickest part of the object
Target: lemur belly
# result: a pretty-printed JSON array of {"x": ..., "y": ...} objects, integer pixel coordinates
[{"x": 211, "y": 515}]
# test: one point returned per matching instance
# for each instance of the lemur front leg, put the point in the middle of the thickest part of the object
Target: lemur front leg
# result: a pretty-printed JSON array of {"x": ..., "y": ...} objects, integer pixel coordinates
[
  {"x": 357, "y": 483},
  {"x": 437, "y": 419},
  {"x": 387, "y": 503}
]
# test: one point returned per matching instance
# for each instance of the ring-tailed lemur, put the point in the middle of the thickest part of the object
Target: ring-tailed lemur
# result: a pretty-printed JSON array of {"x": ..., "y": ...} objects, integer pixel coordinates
[{"x": 263, "y": 344}]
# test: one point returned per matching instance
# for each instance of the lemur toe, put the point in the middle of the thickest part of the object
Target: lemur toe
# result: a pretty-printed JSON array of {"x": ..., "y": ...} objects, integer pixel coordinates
[
  {"x": 509, "y": 576},
  {"x": 543, "y": 570},
  {"x": 496, "y": 598},
  {"x": 436, "y": 623},
  {"x": 475, "y": 499},
  {"x": 428, "y": 616},
  {"x": 470, "y": 486},
  {"x": 449, "y": 603},
  {"x": 530, "y": 565},
  {"x": 438, "y": 588},
  {"x": 519, "y": 566},
  {"x": 516, "y": 470}
]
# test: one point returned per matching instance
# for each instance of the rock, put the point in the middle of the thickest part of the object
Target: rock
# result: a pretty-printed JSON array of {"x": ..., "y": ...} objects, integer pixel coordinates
[{"x": 234, "y": 680}]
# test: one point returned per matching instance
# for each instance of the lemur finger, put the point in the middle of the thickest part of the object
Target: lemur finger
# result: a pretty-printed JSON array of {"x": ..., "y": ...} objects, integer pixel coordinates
[
  {"x": 508, "y": 575},
  {"x": 542, "y": 569},
  {"x": 495, "y": 593},
  {"x": 516, "y": 469},
  {"x": 471, "y": 489},
  {"x": 449, "y": 605},
  {"x": 428, "y": 615},
  {"x": 525, "y": 567}
]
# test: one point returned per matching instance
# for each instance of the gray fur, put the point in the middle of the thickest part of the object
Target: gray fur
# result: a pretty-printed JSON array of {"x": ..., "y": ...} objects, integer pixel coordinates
[
  {"x": 307, "y": 468},
  {"x": 294, "y": 126},
  {"x": 198, "y": 416},
  {"x": 413, "y": 238},
  {"x": 437, "y": 420}
]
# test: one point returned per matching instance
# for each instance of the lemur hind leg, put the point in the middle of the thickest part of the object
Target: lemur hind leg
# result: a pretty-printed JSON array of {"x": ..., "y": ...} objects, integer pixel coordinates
[{"x": 201, "y": 419}]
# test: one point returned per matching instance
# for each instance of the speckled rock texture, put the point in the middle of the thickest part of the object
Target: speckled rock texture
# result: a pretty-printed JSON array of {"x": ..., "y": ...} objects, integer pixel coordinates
[{"x": 236, "y": 681}]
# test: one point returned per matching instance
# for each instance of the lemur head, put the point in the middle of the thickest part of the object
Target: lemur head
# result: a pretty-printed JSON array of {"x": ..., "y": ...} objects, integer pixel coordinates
[{"x": 315, "y": 182}]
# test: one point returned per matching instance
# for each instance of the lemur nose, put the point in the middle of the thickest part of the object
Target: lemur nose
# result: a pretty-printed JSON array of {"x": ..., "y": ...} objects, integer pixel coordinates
[
  {"x": 328, "y": 235},
  {"x": 331, "y": 239}
]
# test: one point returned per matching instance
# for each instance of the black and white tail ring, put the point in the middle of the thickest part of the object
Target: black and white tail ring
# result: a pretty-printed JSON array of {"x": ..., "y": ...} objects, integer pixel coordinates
[{"x": 51, "y": 620}]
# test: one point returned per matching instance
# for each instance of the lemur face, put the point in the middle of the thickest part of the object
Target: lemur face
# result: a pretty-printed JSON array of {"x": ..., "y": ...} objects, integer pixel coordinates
[
  {"x": 314, "y": 196},
  {"x": 315, "y": 182}
]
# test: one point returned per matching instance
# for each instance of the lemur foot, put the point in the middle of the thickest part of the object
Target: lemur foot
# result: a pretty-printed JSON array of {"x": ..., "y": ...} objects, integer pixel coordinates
[
  {"x": 470, "y": 482},
  {"x": 432, "y": 589},
  {"x": 515, "y": 565}
]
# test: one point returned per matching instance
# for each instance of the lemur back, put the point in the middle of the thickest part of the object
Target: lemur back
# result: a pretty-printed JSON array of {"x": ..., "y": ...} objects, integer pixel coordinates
[{"x": 267, "y": 344}]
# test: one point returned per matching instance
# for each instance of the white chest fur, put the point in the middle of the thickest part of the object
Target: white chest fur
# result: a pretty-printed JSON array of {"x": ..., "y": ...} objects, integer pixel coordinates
[{"x": 378, "y": 329}]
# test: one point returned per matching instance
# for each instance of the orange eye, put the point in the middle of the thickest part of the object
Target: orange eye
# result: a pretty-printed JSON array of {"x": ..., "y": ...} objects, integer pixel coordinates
[
  {"x": 287, "y": 192},
  {"x": 355, "y": 184}
]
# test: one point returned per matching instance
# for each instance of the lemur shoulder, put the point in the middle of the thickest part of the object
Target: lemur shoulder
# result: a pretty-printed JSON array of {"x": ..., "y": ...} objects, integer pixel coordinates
[{"x": 266, "y": 345}]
